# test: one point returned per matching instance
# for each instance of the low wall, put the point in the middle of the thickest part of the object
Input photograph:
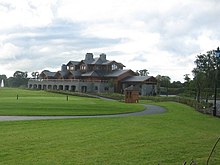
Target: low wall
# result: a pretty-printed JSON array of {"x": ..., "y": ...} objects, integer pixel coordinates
[{"x": 70, "y": 85}]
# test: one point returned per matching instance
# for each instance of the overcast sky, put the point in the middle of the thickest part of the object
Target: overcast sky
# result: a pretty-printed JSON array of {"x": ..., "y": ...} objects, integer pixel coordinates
[{"x": 163, "y": 37}]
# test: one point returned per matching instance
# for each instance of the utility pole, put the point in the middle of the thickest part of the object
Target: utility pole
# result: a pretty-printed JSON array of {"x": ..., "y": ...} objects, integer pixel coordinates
[{"x": 217, "y": 55}]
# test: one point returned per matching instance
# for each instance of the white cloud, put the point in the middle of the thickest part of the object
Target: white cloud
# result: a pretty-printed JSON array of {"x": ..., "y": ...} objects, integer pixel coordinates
[
  {"x": 25, "y": 13},
  {"x": 8, "y": 51},
  {"x": 207, "y": 40},
  {"x": 161, "y": 36},
  {"x": 96, "y": 10}
]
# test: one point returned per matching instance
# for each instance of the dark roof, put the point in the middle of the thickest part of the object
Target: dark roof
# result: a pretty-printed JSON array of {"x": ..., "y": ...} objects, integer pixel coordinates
[
  {"x": 120, "y": 64},
  {"x": 132, "y": 88},
  {"x": 107, "y": 62},
  {"x": 96, "y": 61},
  {"x": 48, "y": 73},
  {"x": 62, "y": 73},
  {"x": 90, "y": 74},
  {"x": 117, "y": 73},
  {"x": 75, "y": 73},
  {"x": 100, "y": 73},
  {"x": 94, "y": 74},
  {"x": 137, "y": 78},
  {"x": 73, "y": 63},
  {"x": 99, "y": 61}
]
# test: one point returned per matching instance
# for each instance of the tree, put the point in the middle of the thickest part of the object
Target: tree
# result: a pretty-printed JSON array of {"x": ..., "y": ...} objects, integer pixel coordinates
[
  {"x": 186, "y": 78},
  {"x": 35, "y": 75},
  {"x": 199, "y": 78},
  {"x": 3, "y": 77},
  {"x": 19, "y": 79},
  {"x": 159, "y": 79},
  {"x": 166, "y": 81},
  {"x": 20, "y": 74},
  {"x": 204, "y": 74},
  {"x": 143, "y": 72},
  {"x": 176, "y": 84},
  {"x": 162, "y": 81}
]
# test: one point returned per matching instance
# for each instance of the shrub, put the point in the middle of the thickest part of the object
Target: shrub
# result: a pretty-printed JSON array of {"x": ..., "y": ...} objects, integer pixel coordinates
[{"x": 201, "y": 107}]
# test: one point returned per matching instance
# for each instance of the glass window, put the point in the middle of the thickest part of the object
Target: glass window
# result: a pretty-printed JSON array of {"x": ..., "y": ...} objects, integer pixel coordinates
[{"x": 114, "y": 67}]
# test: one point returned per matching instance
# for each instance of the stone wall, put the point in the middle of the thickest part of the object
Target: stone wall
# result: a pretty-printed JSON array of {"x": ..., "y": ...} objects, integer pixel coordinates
[{"x": 71, "y": 85}]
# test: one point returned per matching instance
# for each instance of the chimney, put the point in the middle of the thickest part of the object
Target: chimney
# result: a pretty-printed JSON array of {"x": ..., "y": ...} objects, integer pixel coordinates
[
  {"x": 103, "y": 57},
  {"x": 63, "y": 68},
  {"x": 89, "y": 57}
]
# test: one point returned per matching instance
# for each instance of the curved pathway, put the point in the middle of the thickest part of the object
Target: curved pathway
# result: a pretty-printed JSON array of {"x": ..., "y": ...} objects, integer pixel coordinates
[{"x": 149, "y": 109}]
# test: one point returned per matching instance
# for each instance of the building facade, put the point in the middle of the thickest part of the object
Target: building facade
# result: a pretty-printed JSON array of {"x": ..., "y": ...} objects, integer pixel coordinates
[{"x": 93, "y": 75}]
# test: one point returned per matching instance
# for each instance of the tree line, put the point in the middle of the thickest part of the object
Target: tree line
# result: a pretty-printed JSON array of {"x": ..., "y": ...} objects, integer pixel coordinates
[
  {"x": 19, "y": 79},
  {"x": 206, "y": 75}
]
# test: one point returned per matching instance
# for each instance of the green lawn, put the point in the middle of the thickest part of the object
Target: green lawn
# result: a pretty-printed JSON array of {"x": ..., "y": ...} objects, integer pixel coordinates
[
  {"x": 180, "y": 134},
  {"x": 31, "y": 102}
]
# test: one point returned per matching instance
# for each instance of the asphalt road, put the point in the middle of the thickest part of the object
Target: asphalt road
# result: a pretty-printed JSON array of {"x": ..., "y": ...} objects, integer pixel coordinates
[{"x": 149, "y": 109}]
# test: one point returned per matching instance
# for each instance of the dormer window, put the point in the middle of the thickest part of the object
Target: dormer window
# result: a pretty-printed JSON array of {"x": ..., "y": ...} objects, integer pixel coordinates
[
  {"x": 114, "y": 67},
  {"x": 83, "y": 67},
  {"x": 71, "y": 68}
]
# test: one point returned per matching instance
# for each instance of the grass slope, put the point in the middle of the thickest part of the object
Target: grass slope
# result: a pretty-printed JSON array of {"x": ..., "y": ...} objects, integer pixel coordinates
[
  {"x": 181, "y": 134},
  {"x": 44, "y": 103}
]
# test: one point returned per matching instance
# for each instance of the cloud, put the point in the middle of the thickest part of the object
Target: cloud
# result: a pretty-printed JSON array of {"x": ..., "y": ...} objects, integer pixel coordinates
[
  {"x": 8, "y": 51},
  {"x": 25, "y": 13},
  {"x": 140, "y": 57},
  {"x": 161, "y": 36},
  {"x": 50, "y": 46}
]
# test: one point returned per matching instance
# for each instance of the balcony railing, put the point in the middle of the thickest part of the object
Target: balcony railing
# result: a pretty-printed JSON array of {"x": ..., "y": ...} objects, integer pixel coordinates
[{"x": 66, "y": 80}]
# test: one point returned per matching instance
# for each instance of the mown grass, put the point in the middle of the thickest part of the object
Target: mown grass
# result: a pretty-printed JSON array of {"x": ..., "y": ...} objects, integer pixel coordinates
[
  {"x": 45, "y": 103},
  {"x": 179, "y": 135}
]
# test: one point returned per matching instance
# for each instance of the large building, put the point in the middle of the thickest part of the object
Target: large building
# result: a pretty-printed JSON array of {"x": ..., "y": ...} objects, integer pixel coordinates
[{"x": 93, "y": 75}]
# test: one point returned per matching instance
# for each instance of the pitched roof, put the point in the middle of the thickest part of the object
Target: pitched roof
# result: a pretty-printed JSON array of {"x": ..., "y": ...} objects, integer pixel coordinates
[
  {"x": 107, "y": 62},
  {"x": 73, "y": 63},
  {"x": 96, "y": 61},
  {"x": 117, "y": 73},
  {"x": 62, "y": 73},
  {"x": 93, "y": 74},
  {"x": 137, "y": 78},
  {"x": 48, "y": 73},
  {"x": 99, "y": 61},
  {"x": 75, "y": 73},
  {"x": 132, "y": 88}
]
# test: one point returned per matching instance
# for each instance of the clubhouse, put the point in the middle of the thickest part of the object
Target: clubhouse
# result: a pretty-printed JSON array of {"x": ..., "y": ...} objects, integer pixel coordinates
[{"x": 93, "y": 75}]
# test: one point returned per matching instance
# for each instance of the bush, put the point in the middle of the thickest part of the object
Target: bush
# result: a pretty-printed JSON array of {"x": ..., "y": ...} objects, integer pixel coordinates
[
  {"x": 184, "y": 100},
  {"x": 115, "y": 96}
]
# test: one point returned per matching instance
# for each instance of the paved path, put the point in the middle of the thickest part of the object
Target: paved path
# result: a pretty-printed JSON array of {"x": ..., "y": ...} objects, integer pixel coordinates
[{"x": 149, "y": 109}]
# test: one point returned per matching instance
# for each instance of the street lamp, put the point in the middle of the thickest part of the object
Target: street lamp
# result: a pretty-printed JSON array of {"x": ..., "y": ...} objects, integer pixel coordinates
[{"x": 217, "y": 55}]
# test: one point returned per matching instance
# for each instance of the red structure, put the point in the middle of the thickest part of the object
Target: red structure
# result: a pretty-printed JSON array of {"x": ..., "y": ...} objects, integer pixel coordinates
[{"x": 131, "y": 94}]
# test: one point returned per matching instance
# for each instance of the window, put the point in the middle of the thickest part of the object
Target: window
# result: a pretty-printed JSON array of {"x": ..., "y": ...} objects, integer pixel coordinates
[
  {"x": 70, "y": 67},
  {"x": 114, "y": 67},
  {"x": 83, "y": 67}
]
